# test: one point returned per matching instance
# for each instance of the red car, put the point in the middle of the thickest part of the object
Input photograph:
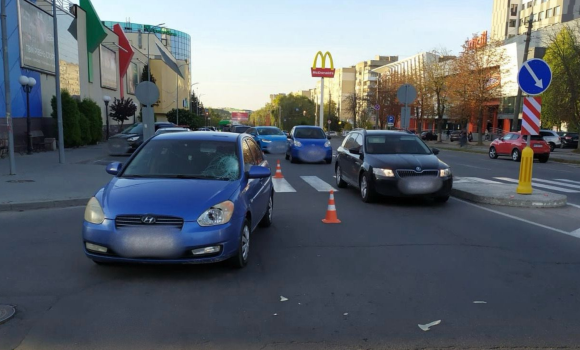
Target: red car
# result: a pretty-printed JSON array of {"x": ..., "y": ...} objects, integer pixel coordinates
[{"x": 513, "y": 143}]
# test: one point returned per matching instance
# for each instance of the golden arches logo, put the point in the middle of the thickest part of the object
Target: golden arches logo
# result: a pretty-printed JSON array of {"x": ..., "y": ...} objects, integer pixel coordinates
[{"x": 323, "y": 72}]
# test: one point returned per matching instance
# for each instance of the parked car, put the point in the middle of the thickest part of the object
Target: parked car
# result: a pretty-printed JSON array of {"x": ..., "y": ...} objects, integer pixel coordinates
[
  {"x": 168, "y": 130},
  {"x": 552, "y": 138},
  {"x": 428, "y": 136},
  {"x": 131, "y": 138},
  {"x": 309, "y": 144},
  {"x": 455, "y": 136},
  {"x": 569, "y": 139},
  {"x": 203, "y": 129},
  {"x": 331, "y": 133},
  {"x": 239, "y": 129},
  {"x": 270, "y": 138},
  {"x": 391, "y": 163},
  {"x": 182, "y": 198},
  {"x": 513, "y": 143}
]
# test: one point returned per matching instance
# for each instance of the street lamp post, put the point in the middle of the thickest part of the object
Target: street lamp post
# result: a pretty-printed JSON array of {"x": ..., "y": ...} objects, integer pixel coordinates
[
  {"x": 27, "y": 85},
  {"x": 107, "y": 99}
]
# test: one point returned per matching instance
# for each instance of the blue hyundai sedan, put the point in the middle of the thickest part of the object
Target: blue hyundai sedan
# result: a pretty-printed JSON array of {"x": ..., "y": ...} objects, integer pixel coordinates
[
  {"x": 309, "y": 144},
  {"x": 182, "y": 198}
]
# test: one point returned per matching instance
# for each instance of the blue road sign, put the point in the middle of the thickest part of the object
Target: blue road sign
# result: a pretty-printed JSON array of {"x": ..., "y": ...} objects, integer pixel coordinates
[
  {"x": 391, "y": 120},
  {"x": 535, "y": 76}
]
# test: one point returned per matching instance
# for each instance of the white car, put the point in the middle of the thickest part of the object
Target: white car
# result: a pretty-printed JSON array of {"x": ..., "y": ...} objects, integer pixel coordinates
[{"x": 552, "y": 138}]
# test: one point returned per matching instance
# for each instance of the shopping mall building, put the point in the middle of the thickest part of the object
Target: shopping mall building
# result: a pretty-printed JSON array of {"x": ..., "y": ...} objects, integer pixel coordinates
[{"x": 98, "y": 59}]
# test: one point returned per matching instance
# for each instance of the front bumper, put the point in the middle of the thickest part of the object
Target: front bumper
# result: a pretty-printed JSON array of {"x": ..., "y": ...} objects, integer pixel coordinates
[
  {"x": 311, "y": 153},
  {"x": 274, "y": 146},
  {"x": 420, "y": 186},
  {"x": 161, "y": 245}
]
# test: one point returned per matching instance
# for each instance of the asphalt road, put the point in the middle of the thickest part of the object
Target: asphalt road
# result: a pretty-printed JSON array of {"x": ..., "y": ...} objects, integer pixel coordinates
[{"x": 366, "y": 283}]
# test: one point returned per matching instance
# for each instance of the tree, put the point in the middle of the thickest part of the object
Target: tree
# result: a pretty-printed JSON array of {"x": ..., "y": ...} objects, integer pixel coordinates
[
  {"x": 355, "y": 105},
  {"x": 436, "y": 73},
  {"x": 478, "y": 68},
  {"x": 145, "y": 75},
  {"x": 70, "y": 119},
  {"x": 389, "y": 83},
  {"x": 122, "y": 109},
  {"x": 186, "y": 117},
  {"x": 561, "y": 101},
  {"x": 93, "y": 113}
]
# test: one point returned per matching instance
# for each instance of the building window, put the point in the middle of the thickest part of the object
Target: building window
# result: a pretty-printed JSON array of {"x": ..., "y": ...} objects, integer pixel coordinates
[
  {"x": 557, "y": 11},
  {"x": 543, "y": 1},
  {"x": 549, "y": 13},
  {"x": 541, "y": 16},
  {"x": 526, "y": 19},
  {"x": 512, "y": 23},
  {"x": 529, "y": 4}
]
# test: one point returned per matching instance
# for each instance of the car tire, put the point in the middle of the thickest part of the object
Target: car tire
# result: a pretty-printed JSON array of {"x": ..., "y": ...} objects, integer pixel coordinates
[
  {"x": 367, "y": 193},
  {"x": 441, "y": 199},
  {"x": 328, "y": 161},
  {"x": 516, "y": 156},
  {"x": 293, "y": 160},
  {"x": 267, "y": 219},
  {"x": 544, "y": 159},
  {"x": 240, "y": 260},
  {"x": 552, "y": 147},
  {"x": 287, "y": 156},
  {"x": 492, "y": 153},
  {"x": 340, "y": 183}
]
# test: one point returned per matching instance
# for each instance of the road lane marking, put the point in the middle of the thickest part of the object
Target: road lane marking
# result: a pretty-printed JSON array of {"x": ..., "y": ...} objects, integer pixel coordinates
[
  {"x": 573, "y": 234},
  {"x": 471, "y": 166},
  {"x": 570, "y": 181},
  {"x": 473, "y": 179},
  {"x": 535, "y": 184},
  {"x": 281, "y": 186},
  {"x": 557, "y": 183},
  {"x": 318, "y": 184},
  {"x": 574, "y": 205}
]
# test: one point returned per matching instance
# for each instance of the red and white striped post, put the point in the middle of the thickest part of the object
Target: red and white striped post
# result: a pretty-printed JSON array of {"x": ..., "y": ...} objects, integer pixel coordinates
[{"x": 531, "y": 117}]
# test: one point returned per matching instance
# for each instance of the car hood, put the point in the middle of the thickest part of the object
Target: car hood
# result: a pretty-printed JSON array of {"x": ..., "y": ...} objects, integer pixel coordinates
[
  {"x": 123, "y": 136},
  {"x": 315, "y": 142},
  {"x": 184, "y": 198},
  {"x": 273, "y": 137},
  {"x": 405, "y": 161}
]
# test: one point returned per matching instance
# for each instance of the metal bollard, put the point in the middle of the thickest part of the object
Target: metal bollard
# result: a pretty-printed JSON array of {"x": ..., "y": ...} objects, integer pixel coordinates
[{"x": 525, "y": 180}]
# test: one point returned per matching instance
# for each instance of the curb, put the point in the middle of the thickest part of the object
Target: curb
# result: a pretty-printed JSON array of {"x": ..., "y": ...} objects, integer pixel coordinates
[
  {"x": 540, "y": 200},
  {"x": 64, "y": 203}
]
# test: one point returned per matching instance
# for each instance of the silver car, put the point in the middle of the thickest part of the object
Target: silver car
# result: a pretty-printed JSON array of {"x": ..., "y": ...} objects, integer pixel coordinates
[{"x": 552, "y": 138}]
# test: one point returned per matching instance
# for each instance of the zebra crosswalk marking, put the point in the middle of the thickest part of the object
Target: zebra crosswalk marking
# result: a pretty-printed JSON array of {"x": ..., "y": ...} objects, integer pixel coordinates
[
  {"x": 570, "y": 181},
  {"x": 282, "y": 186},
  {"x": 535, "y": 184},
  {"x": 557, "y": 183},
  {"x": 318, "y": 184}
]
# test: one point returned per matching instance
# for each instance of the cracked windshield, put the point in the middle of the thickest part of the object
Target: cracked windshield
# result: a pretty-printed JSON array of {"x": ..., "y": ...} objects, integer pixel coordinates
[{"x": 399, "y": 174}]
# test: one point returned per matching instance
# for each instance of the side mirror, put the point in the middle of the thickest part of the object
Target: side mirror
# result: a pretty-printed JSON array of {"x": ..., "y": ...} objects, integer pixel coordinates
[
  {"x": 355, "y": 150},
  {"x": 114, "y": 168},
  {"x": 501, "y": 138},
  {"x": 259, "y": 172},
  {"x": 435, "y": 151}
]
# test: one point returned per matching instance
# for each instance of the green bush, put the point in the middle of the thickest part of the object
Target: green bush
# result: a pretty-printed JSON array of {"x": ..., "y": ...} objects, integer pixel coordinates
[
  {"x": 70, "y": 119},
  {"x": 85, "y": 127},
  {"x": 93, "y": 113},
  {"x": 185, "y": 118}
]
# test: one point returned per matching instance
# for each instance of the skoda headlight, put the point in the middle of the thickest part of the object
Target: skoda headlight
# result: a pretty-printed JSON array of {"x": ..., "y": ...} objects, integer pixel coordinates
[
  {"x": 297, "y": 143},
  {"x": 219, "y": 214},
  {"x": 444, "y": 172},
  {"x": 383, "y": 172},
  {"x": 133, "y": 139},
  {"x": 327, "y": 144},
  {"x": 94, "y": 213}
]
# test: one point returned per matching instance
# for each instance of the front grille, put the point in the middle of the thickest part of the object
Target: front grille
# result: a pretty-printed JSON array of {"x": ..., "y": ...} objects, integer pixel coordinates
[
  {"x": 413, "y": 173},
  {"x": 135, "y": 220}
]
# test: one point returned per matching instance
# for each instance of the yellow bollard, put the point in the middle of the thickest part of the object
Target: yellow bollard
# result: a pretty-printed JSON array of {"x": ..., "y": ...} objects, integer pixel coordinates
[{"x": 525, "y": 181}]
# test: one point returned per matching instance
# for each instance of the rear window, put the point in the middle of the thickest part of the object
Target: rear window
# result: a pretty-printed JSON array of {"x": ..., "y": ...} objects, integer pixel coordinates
[
  {"x": 309, "y": 133},
  {"x": 240, "y": 129},
  {"x": 534, "y": 138}
]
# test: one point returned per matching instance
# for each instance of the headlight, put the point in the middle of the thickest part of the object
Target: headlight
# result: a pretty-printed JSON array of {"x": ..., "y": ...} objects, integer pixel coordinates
[
  {"x": 133, "y": 139},
  {"x": 266, "y": 141},
  {"x": 383, "y": 172},
  {"x": 94, "y": 213},
  {"x": 297, "y": 143},
  {"x": 444, "y": 172},
  {"x": 327, "y": 144},
  {"x": 219, "y": 214}
]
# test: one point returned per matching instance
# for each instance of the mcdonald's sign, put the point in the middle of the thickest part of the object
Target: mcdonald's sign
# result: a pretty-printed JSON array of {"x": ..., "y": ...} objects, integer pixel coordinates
[{"x": 322, "y": 72}]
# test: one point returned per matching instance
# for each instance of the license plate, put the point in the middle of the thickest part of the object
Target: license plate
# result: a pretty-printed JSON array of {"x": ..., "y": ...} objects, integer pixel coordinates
[{"x": 538, "y": 146}]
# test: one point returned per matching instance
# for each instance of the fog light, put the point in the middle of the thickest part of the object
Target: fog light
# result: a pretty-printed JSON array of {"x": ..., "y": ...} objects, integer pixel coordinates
[
  {"x": 96, "y": 248},
  {"x": 207, "y": 250}
]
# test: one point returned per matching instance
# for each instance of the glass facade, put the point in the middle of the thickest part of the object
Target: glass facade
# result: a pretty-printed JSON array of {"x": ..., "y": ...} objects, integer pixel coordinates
[{"x": 178, "y": 43}]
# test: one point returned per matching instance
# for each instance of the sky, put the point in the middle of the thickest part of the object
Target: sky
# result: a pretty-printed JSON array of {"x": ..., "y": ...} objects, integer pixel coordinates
[{"x": 243, "y": 51}]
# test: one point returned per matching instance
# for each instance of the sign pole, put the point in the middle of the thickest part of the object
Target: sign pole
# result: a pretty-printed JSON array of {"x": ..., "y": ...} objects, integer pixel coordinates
[
  {"x": 57, "y": 87},
  {"x": 7, "y": 89},
  {"x": 322, "y": 102}
]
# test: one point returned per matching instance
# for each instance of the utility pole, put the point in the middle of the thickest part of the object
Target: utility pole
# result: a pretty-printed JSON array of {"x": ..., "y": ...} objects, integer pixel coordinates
[
  {"x": 378, "y": 111},
  {"x": 59, "y": 122},
  {"x": 518, "y": 104},
  {"x": 7, "y": 89}
]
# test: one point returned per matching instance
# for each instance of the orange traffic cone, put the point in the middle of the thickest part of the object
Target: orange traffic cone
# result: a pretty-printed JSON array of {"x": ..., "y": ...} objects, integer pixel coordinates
[
  {"x": 278, "y": 174},
  {"x": 331, "y": 217}
]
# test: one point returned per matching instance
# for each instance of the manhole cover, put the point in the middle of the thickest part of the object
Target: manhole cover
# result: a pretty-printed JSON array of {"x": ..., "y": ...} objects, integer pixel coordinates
[
  {"x": 19, "y": 181},
  {"x": 6, "y": 312}
]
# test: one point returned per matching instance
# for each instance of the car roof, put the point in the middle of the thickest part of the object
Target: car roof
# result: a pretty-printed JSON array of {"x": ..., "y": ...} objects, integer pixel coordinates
[
  {"x": 307, "y": 126},
  {"x": 205, "y": 136},
  {"x": 175, "y": 128},
  {"x": 384, "y": 132},
  {"x": 266, "y": 127}
]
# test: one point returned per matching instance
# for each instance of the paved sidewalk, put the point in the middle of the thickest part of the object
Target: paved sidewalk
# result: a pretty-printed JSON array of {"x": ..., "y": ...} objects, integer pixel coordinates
[
  {"x": 41, "y": 182},
  {"x": 560, "y": 155}
]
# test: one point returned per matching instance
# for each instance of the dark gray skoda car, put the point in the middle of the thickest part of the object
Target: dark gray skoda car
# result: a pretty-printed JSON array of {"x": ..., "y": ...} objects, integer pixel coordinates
[
  {"x": 391, "y": 163},
  {"x": 131, "y": 138}
]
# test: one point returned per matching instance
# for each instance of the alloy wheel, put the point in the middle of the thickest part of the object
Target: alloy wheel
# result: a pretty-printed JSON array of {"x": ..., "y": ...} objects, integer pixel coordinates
[{"x": 245, "y": 242}]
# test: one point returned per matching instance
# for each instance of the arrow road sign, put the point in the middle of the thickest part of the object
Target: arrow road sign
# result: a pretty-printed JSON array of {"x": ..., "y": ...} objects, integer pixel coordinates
[{"x": 535, "y": 76}]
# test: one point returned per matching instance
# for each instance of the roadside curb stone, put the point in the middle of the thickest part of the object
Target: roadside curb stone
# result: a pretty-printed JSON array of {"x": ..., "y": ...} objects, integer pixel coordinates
[
  {"x": 505, "y": 195},
  {"x": 63, "y": 203}
]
